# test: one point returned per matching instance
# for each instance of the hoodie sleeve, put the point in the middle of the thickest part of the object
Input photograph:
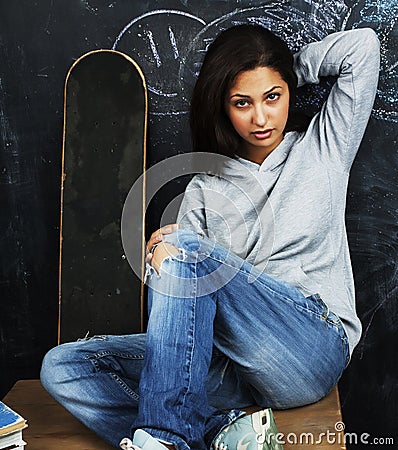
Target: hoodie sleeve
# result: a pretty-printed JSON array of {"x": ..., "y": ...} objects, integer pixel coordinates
[
  {"x": 353, "y": 56},
  {"x": 191, "y": 215}
]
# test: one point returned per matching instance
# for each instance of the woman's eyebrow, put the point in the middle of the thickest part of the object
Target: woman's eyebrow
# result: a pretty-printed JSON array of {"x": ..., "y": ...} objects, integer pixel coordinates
[
  {"x": 273, "y": 88},
  {"x": 240, "y": 95},
  {"x": 248, "y": 96}
]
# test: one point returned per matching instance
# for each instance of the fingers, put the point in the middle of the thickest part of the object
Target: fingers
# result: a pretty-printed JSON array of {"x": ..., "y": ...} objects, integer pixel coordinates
[
  {"x": 160, "y": 253},
  {"x": 156, "y": 237}
]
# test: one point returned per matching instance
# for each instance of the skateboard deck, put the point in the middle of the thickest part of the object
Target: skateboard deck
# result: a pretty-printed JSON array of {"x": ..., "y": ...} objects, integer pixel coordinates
[{"x": 104, "y": 154}]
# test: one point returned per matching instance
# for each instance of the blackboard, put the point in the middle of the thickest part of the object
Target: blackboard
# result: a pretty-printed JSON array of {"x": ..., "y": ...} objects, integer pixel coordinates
[{"x": 38, "y": 43}]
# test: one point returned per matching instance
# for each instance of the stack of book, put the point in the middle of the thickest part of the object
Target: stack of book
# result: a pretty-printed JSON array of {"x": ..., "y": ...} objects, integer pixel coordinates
[{"x": 11, "y": 426}]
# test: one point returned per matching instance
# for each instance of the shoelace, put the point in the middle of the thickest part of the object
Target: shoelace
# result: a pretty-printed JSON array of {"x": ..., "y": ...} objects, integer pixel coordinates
[
  {"x": 126, "y": 444},
  {"x": 219, "y": 445}
]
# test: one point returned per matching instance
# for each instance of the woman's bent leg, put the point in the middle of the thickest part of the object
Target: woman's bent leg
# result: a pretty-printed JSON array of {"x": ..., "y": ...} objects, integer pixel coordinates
[
  {"x": 173, "y": 400},
  {"x": 289, "y": 349},
  {"x": 97, "y": 381}
]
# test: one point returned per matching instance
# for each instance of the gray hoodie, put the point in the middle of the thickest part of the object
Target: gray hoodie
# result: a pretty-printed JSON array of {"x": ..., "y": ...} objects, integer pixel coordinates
[{"x": 287, "y": 215}]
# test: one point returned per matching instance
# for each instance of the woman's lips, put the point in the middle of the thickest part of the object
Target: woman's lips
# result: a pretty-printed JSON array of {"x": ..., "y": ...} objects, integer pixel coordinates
[{"x": 262, "y": 134}]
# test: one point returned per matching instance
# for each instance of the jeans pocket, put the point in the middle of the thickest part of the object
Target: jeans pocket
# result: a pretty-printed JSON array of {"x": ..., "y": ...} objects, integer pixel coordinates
[{"x": 333, "y": 320}]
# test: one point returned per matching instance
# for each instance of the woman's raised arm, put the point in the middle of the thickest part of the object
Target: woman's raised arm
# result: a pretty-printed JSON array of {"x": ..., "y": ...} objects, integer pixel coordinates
[{"x": 353, "y": 56}]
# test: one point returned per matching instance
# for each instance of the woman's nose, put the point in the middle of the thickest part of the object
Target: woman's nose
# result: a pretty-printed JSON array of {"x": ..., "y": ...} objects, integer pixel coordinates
[{"x": 259, "y": 116}]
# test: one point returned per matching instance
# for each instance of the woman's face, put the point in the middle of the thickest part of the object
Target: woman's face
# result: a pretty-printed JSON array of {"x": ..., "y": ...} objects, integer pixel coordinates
[{"x": 257, "y": 106}]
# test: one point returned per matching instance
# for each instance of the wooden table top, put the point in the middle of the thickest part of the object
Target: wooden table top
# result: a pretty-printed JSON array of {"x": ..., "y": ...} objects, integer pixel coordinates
[{"x": 51, "y": 427}]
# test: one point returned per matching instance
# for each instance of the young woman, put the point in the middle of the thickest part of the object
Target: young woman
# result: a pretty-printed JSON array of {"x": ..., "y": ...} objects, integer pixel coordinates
[{"x": 251, "y": 295}]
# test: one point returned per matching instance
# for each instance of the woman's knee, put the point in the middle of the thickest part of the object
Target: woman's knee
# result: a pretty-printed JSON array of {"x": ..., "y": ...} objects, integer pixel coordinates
[
  {"x": 184, "y": 240},
  {"x": 180, "y": 242},
  {"x": 162, "y": 251},
  {"x": 57, "y": 365}
]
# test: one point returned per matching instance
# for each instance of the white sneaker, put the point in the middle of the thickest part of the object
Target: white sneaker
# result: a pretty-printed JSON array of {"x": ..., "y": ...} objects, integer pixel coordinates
[
  {"x": 141, "y": 441},
  {"x": 255, "y": 431}
]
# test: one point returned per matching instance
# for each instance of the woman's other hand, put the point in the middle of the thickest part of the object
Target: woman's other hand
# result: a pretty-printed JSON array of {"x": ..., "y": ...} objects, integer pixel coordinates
[{"x": 157, "y": 237}]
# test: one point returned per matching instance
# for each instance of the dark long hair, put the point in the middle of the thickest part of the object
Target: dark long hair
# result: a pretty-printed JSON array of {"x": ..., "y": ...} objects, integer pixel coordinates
[{"x": 237, "y": 49}]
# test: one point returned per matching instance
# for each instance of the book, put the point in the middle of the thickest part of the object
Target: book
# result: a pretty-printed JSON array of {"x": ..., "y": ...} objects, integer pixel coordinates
[
  {"x": 10, "y": 420},
  {"x": 11, "y": 426},
  {"x": 12, "y": 440}
]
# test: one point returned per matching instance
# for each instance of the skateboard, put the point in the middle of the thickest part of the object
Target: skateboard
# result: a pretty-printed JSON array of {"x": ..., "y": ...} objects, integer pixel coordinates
[{"x": 104, "y": 154}]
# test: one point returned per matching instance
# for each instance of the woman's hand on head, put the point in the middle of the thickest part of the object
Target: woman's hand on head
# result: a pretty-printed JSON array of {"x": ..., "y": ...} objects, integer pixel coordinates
[{"x": 157, "y": 237}]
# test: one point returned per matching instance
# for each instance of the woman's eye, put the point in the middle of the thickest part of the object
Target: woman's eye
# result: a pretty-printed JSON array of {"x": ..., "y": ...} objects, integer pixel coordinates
[
  {"x": 273, "y": 96},
  {"x": 241, "y": 103}
]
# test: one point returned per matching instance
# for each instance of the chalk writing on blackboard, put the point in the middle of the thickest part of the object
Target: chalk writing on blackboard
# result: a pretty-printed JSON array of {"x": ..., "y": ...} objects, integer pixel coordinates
[
  {"x": 382, "y": 16},
  {"x": 169, "y": 45},
  {"x": 156, "y": 40}
]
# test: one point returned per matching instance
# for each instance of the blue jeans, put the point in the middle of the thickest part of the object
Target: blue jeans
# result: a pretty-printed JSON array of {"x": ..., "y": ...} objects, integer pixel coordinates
[{"x": 220, "y": 336}]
